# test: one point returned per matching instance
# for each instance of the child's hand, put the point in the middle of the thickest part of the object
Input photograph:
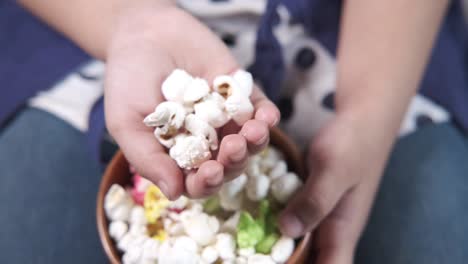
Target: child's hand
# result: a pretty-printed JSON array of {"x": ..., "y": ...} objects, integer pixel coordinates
[
  {"x": 150, "y": 40},
  {"x": 345, "y": 162}
]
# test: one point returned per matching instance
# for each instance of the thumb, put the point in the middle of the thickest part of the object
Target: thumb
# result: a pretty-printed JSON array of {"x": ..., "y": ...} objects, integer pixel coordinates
[{"x": 323, "y": 190}]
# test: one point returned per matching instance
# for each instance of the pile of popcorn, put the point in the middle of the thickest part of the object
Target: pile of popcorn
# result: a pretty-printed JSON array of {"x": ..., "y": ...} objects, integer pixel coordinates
[
  {"x": 186, "y": 122},
  {"x": 238, "y": 225}
]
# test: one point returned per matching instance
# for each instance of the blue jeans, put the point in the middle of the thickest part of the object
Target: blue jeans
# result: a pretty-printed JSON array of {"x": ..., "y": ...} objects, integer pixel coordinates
[
  {"x": 421, "y": 211},
  {"x": 48, "y": 186}
]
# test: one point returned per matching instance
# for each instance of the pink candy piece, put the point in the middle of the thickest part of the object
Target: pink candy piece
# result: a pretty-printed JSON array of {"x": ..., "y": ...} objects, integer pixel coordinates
[
  {"x": 140, "y": 185},
  {"x": 176, "y": 210}
]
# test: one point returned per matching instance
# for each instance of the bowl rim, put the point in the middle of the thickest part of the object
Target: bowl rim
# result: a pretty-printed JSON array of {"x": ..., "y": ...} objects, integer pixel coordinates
[{"x": 102, "y": 221}]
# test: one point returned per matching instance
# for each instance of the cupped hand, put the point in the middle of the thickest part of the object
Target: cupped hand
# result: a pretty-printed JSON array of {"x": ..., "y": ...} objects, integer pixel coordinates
[
  {"x": 345, "y": 162},
  {"x": 150, "y": 40}
]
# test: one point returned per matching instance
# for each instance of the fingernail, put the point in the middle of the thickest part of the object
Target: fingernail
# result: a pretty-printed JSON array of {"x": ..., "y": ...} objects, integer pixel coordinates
[
  {"x": 238, "y": 156},
  {"x": 215, "y": 180},
  {"x": 164, "y": 189},
  {"x": 292, "y": 226},
  {"x": 275, "y": 121},
  {"x": 263, "y": 139}
]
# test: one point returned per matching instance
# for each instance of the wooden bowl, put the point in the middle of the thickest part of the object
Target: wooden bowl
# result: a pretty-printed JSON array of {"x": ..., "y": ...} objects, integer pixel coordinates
[{"x": 118, "y": 172}]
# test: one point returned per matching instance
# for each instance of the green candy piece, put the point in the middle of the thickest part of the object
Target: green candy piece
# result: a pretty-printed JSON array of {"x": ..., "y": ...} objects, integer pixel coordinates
[
  {"x": 267, "y": 243},
  {"x": 211, "y": 205},
  {"x": 249, "y": 231},
  {"x": 266, "y": 218}
]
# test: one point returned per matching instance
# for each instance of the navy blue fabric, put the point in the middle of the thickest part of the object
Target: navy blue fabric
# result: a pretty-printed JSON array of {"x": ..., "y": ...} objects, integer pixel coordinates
[
  {"x": 268, "y": 67},
  {"x": 32, "y": 57},
  {"x": 97, "y": 129},
  {"x": 446, "y": 77}
]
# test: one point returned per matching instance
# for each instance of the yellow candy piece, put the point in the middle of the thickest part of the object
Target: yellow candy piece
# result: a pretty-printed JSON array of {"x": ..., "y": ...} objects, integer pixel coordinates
[
  {"x": 155, "y": 202},
  {"x": 156, "y": 231},
  {"x": 161, "y": 235}
]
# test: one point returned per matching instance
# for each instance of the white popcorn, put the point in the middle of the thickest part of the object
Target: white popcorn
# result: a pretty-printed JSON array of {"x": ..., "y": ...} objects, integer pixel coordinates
[
  {"x": 285, "y": 186},
  {"x": 282, "y": 249},
  {"x": 246, "y": 252},
  {"x": 117, "y": 229},
  {"x": 196, "y": 90},
  {"x": 209, "y": 254},
  {"x": 169, "y": 116},
  {"x": 132, "y": 255},
  {"x": 207, "y": 111},
  {"x": 189, "y": 212},
  {"x": 253, "y": 166},
  {"x": 125, "y": 242},
  {"x": 245, "y": 81},
  {"x": 270, "y": 157},
  {"x": 179, "y": 204},
  {"x": 230, "y": 195},
  {"x": 226, "y": 86},
  {"x": 239, "y": 108},
  {"x": 165, "y": 250},
  {"x": 175, "y": 229},
  {"x": 137, "y": 216},
  {"x": 138, "y": 229},
  {"x": 225, "y": 245},
  {"x": 117, "y": 203},
  {"x": 167, "y": 222},
  {"x": 211, "y": 110},
  {"x": 185, "y": 243},
  {"x": 233, "y": 187},
  {"x": 173, "y": 216},
  {"x": 257, "y": 187},
  {"x": 171, "y": 255},
  {"x": 241, "y": 260},
  {"x": 260, "y": 259},
  {"x": 230, "y": 225},
  {"x": 166, "y": 141},
  {"x": 280, "y": 169},
  {"x": 150, "y": 250},
  {"x": 196, "y": 207},
  {"x": 147, "y": 261},
  {"x": 173, "y": 88},
  {"x": 231, "y": 203},
  {"x": 198, "y": 127},
  {"x": 201, "y": 227},
  {"x": 190, "y": 152}
]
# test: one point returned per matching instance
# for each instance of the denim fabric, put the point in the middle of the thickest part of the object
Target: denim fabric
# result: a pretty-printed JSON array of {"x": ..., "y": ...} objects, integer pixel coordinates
[
  {"x": 48, "y": 187},
  {"x": 421, "y": 211}
]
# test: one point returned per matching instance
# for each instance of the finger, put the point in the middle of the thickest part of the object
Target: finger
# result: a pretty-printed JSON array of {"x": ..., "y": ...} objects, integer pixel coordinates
[
  {"x": 150, "y": 160},
  {"x": 127, "y": 67},
  {"x": 337, "y": 236},
  {"x": 233, "y": 155},
  {"x": 335, "y": 255},
  {"x": 206, "y": 180},
  {"x": 323, "y": 190},
  {"x": 257, "y": 135},
  {"x": 265, "y": 110}
]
